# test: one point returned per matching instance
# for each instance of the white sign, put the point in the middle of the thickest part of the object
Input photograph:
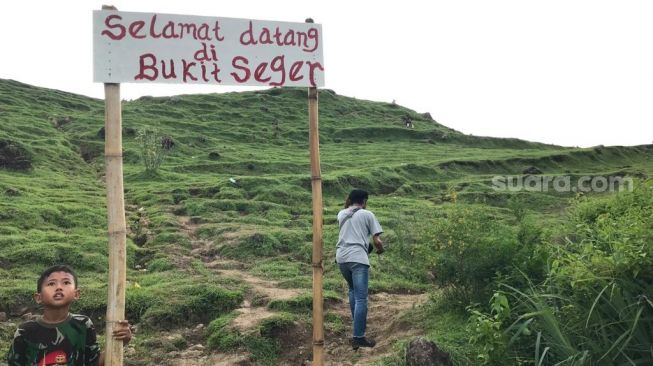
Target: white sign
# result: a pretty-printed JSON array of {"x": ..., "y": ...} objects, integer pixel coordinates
[{"x": 168, "y": 48}]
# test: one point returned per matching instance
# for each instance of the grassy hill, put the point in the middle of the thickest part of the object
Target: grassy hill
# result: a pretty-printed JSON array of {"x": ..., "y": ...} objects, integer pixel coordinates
[{"x": 230, "y": 208}]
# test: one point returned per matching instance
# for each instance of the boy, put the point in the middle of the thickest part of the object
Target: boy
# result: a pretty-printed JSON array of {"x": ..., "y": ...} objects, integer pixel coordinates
[
  {"x": 356, "y": 226},
  {"x": 59, "y": 337}
]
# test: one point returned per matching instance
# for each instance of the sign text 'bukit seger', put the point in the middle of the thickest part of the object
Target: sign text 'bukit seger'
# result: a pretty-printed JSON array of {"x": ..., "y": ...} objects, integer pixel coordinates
[{"x": 167, "y": 48}]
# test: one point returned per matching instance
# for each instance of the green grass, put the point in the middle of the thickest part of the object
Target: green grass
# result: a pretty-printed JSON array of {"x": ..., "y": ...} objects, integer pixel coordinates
[{"x": 55, "y": 210}]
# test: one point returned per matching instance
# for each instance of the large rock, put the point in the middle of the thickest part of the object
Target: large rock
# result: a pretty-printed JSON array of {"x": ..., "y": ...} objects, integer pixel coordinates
[
  {"x": 422, "y": 352},
  {"x": 14, "y": 156}
]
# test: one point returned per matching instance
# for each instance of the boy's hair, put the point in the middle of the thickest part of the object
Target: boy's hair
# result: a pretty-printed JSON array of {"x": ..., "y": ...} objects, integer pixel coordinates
[
  {"x": 51, "y": 270},
  {"x": 356, "y": 196}
]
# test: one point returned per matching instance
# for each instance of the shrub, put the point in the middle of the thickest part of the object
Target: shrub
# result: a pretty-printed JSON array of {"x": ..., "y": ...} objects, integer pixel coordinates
[
  {"x": 471, "y": 248},
  {"x": 154, "y": 148}
]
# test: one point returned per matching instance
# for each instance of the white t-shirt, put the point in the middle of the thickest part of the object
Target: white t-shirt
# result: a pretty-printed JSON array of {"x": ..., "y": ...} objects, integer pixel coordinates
[{"x": 354, "y": 237}]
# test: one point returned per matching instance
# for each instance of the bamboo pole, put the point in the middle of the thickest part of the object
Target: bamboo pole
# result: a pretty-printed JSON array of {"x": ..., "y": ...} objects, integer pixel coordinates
[
  {"x": 116, "y": 219},
  {"x": 318, "y": 268}
]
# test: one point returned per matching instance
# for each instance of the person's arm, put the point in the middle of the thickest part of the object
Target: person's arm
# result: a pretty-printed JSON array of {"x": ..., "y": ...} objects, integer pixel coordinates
[
  {"x": 17, "y": 352},
  {"x": 376, "y": 230},
  {"x": 378, "y": 243},
  {"x": 122, "y": 331}
]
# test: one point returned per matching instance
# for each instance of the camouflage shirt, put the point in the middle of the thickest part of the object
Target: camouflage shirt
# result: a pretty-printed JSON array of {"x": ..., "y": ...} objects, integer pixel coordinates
[{"x": 71, "y": 343}]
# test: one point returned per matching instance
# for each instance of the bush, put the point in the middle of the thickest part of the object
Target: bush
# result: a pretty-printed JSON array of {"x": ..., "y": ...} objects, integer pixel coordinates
[
  {"x": 471, "y": 248},
  {"x": 154, "y": 148},
  {"x": 595, "y": 305}
]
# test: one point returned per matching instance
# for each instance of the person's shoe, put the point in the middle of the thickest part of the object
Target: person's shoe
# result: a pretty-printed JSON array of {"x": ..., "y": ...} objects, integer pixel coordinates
[{"x": 357, "y": 342}]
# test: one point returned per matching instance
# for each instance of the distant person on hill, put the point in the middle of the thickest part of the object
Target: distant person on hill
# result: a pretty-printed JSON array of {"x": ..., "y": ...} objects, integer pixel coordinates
[
  {"x": 356, "y": 226},
  {"x": 408, "y": 121},
  {"x": 58, "y": 337}
]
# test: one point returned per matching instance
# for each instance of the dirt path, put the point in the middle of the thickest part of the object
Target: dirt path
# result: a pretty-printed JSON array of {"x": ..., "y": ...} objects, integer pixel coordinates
[
  {"x": 385, "y": 313},
  {"x": 384, "y": 324}
]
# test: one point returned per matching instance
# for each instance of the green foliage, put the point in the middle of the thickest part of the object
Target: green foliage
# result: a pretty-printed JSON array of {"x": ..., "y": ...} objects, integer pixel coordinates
[
  {"x": 220, "y": 337},
  {"x": 264, "y": 349},
  {"x": 334, "y": 323},
  {"x": 261, "y": 245},
  {"x": 273, "y": 326},
  {"x": 160, "y": 265},
  {"x": 302, "y": 303},
  {"x": 471, "y": 248},
  {"x": 92, "y": 302},
  {"x": 138, "y": 301},
  {"x": 594, "y": 306},
  {"x": 191, "y": 303},
  {"x": 448, "y": 329},
  {"x": 487, "y": 331},
  {"x": 153, "y": 148}
]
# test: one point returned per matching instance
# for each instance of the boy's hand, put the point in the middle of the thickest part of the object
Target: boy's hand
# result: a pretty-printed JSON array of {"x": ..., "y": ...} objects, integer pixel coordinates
[{"x": 122, "y": 331}]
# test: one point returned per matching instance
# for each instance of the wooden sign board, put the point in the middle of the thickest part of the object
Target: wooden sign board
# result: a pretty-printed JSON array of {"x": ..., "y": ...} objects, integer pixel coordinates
[{"x": 167, "y": 48}]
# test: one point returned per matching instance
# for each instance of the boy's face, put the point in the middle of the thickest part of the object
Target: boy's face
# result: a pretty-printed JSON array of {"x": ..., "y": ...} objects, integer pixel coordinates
[{"x": 58, "y": 290}]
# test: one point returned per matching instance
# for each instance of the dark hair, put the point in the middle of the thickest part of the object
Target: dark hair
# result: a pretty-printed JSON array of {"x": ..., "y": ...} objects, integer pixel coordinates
[
  {"x": 51, "y": 270},
  {"x": 356, "y": 196}
]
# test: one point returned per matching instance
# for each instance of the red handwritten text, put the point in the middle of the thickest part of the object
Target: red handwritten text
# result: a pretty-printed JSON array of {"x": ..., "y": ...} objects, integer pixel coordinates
[
  {"x": 309, "y": 40},
  {"x": 277, "y": 69},
  {"x": 138, "y": 29}
]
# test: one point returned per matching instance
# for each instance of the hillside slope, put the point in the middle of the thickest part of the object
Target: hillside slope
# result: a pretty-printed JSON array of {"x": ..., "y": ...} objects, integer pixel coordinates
[{"x": 223, "y": 228}]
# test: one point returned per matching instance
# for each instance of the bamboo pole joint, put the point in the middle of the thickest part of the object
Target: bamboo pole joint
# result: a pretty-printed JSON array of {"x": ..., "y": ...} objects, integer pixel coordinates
[
  {"x": 316, "y": 177},
  {"x": 117, "y": 232}
]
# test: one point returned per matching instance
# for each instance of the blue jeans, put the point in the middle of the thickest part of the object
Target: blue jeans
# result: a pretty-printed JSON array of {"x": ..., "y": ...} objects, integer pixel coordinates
[{"x": 357, "y": 275}]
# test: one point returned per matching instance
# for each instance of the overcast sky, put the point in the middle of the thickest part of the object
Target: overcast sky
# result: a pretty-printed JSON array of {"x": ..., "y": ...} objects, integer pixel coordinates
[{"x": 573, "y": 73}]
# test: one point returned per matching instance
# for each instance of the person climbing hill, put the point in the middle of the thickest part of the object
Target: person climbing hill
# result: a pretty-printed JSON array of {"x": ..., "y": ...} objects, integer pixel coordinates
[{"x": 357, "y": 224}]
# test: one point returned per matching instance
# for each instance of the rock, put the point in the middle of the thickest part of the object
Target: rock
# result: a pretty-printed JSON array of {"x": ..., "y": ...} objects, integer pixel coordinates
[
  {"x": 3, "y": 317},
  {"x": 422, "y": 352},
  {"x": 14, "y": 155},
  {"x": 191, "y": 354},
  {"x": 531, "y": 170},
  {"x": 196, "y": 347},
  {"x": 12, "y": 192}
]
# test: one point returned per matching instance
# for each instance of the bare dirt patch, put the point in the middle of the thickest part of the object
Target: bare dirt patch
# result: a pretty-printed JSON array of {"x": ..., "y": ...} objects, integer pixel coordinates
[
  {"x": 270, "y": 289},
  {"x": 385, "y": 324}
]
